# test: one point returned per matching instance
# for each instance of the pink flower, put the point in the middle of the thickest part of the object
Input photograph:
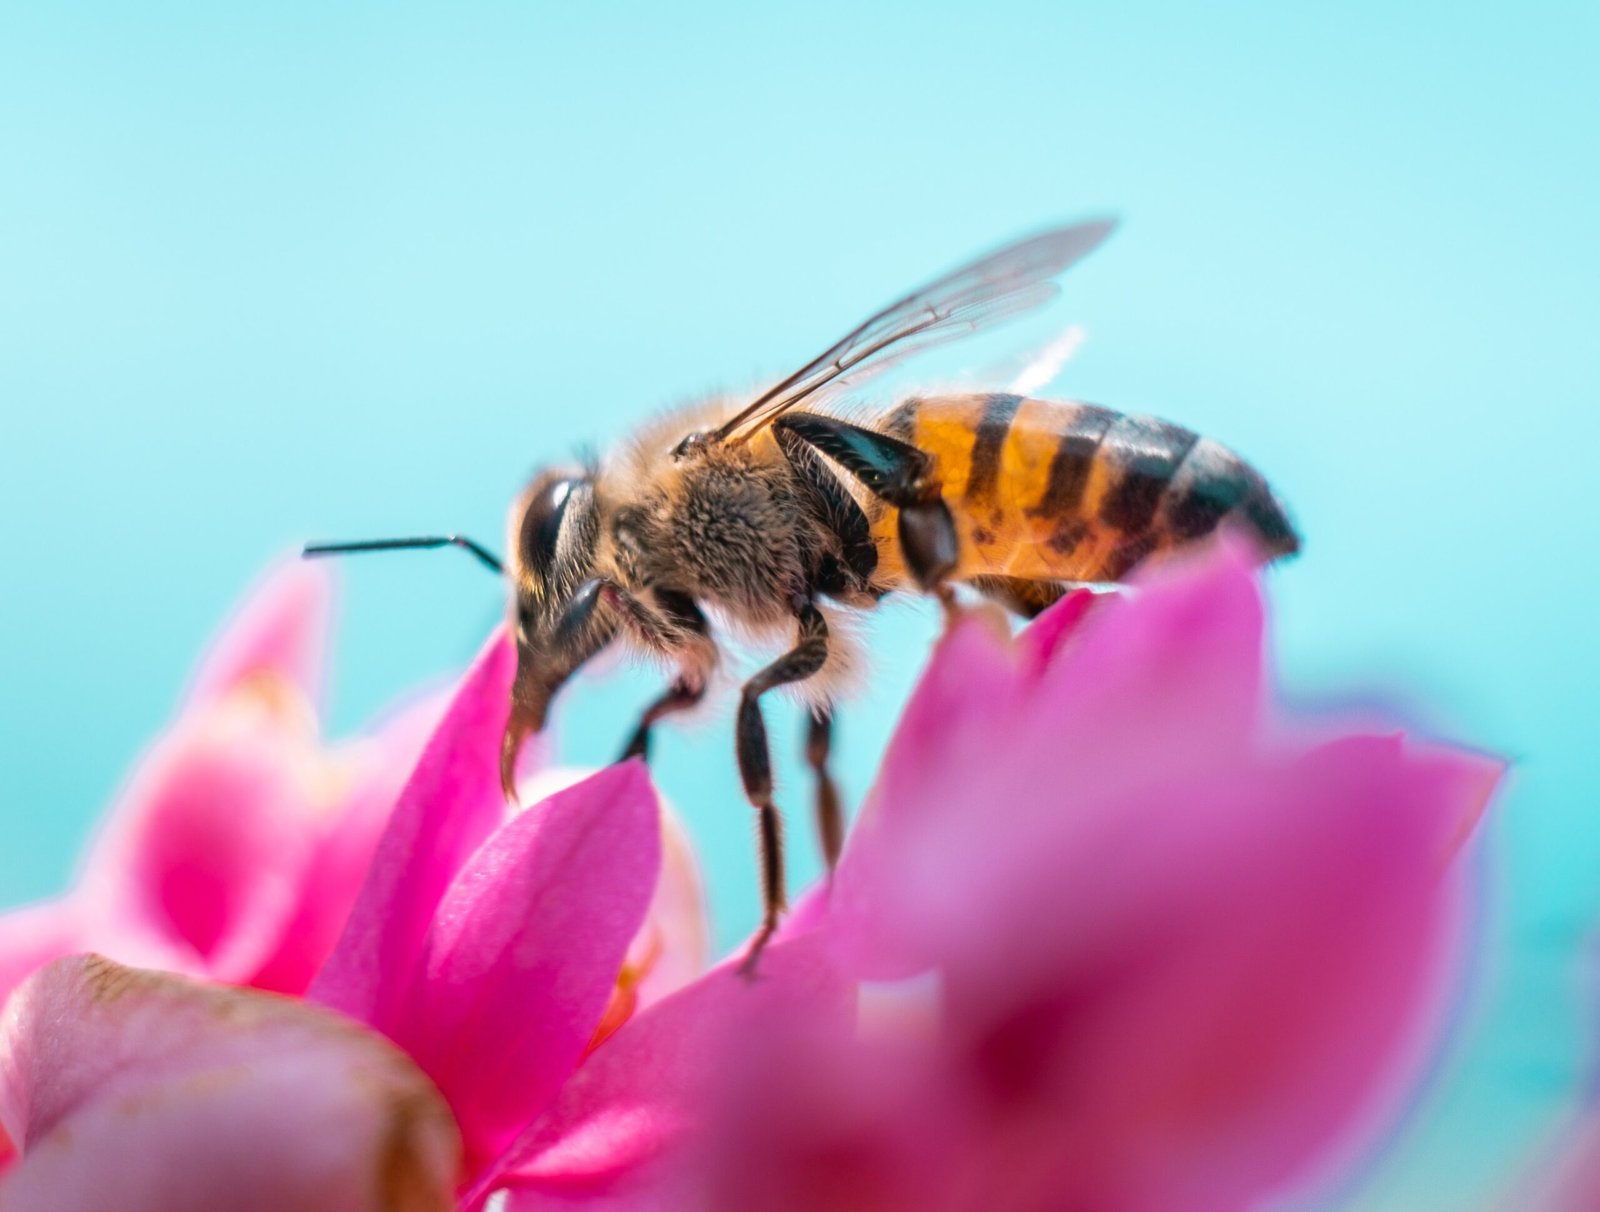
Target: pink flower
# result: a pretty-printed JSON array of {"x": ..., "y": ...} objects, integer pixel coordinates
[
  {"x": 239, "y": 842},
  {"x": 490, "y": 952},
  {"x": 1184, "y": 957},
  {"x": 145, "y": 1092},
  {"x": 487, "y": 949}
]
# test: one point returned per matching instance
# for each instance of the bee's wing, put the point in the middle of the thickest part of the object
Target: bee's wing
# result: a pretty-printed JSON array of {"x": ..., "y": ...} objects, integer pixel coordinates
[{"x": 1014, "y": 279}]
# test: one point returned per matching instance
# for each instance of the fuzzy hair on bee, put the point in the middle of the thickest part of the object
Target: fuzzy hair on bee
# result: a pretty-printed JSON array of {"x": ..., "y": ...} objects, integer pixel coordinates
[
  {"x": 780, "y": 525},
  {"x": 733, "y": 528}
]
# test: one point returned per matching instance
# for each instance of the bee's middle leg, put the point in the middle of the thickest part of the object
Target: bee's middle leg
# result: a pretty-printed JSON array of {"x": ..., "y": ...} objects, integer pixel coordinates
[{"x": 755, "y": 763}]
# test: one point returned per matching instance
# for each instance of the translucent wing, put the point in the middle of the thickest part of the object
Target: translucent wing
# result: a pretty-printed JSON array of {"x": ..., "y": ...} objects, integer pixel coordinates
[{"x": 1012, "y": 280}]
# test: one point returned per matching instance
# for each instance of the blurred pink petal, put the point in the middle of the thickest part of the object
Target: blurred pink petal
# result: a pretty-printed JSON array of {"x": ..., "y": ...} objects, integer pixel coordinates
[
  {"x": 280, "y": 633},
  {"x": 1204, "y": 1015},
  {"x": 139, "y": 1091},
  {"x": 524, "y": 952},
  {"x": 204, "y": 855},
  {"x": 1182, "y": 657},
  {"x": 450, "y": 805},
  {"x": 32, "y": 936},
  {"x": 1179, "y": 963},
  {"x": 968, "y": 697},
  {"x": 1048, "y": 634},
  {"x": 861, "y": 1125},
  {"x": 1145, "y": 690},
  {"x": 373, "y": 771},
  {"x": 238, "y": 844},
  {"x": 622, "y": 1133}
]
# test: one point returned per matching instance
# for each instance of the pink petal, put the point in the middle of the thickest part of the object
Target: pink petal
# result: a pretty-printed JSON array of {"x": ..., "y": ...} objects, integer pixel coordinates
[
  {"x": 977, "y": 790},
  {"x": 31, "y": 937},
  {"x": 1199, "y": 964},
  {"x": 673, "y": 946},
  {"x": 1048, "y": 634},
  {"x": 1467, "y": 781},
  {"x": 525, "y": 951},
  {"x": 616, "y": 1137},
  {"x": 199, "y": 864},
  {"x": 951, "y": 728},
  {"x": 280, "y": 633},
  {"x": 451, "y": 803},
  {"x": 375, "y": 770},
  {"x": 1182, "y": 658},
  {"x": 856, "y": 1125},
  {"x": 1199, "y": 1017},
  {"x": 139, "y": 1091},
  {"x": 1184, "y": 1023}
]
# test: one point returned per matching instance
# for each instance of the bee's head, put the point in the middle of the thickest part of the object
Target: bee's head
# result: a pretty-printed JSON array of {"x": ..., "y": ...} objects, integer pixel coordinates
[{"x": 555, "y": 530}]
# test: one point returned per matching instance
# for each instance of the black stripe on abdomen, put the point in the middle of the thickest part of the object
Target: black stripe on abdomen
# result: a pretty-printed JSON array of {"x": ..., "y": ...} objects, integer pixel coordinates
[
  {"x": 1208, "y": 487},
  {"x": 1215, "y": 484},
  {"x": 1074, "y": 457},
  {"x": 1266, "y": 515},
  {"x": 1143, "y": 455},
  {"x": 999, "y": 410}
]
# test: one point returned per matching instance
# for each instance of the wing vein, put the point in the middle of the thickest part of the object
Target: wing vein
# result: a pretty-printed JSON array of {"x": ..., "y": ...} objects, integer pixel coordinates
[{"x": 1013, "y": 279}]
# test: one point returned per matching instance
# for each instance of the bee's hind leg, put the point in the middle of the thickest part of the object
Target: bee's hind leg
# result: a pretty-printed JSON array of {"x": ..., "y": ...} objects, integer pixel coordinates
[
  {"x": 830, "y": 817},
  {"x": 808, "y": 655}
]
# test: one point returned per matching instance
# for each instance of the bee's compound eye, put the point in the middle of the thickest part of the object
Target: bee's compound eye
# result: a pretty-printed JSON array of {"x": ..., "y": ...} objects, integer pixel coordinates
[
  {"x": 689, "y": 444},
  {"x": 541, "y": 526}
]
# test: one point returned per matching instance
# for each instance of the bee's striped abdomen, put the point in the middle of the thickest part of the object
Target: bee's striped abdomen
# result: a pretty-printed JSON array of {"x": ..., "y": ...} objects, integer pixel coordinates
[{"x": 1055, "y": 491}]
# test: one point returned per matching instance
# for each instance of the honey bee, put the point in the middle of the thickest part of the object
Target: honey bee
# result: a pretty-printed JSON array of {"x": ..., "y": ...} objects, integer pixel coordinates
[{"x": 776, "y": 520}]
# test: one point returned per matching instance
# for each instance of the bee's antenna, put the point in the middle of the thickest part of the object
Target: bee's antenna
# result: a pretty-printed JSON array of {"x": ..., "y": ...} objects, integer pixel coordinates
[{"x": 485, "y": 556}]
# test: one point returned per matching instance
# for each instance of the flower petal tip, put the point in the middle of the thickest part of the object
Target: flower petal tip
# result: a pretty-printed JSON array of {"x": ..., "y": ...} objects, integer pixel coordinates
[{"x": 279, "y": 631}]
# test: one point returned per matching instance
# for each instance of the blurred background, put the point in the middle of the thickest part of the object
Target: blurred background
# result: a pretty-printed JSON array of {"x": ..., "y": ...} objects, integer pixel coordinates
[{"x": 291, "y": 273}]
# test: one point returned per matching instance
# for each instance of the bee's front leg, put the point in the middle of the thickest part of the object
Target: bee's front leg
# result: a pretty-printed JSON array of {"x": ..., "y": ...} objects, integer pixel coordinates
[
  {"x": 690, "y": 639},
  {"x": 808, "y": 655},
  {"x": 680, "y": 696}
]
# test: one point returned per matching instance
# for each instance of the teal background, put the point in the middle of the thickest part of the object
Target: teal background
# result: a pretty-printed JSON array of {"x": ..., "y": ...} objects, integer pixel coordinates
[{"x": 280, "y": 272}]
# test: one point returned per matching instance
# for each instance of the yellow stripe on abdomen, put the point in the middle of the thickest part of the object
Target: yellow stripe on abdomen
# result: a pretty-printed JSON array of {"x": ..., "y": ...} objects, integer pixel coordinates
[{"x": 1017, "y": 474}]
